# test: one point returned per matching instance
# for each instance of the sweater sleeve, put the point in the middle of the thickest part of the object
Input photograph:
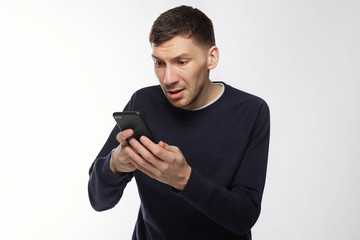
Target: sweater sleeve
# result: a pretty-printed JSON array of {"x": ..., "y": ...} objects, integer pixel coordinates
[
  {"x": 105, "y": 188},
  {"x": 236, "y": 207}
]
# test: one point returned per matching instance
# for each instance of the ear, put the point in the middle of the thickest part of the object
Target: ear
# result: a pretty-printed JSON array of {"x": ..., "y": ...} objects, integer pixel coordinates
[{"x": 213, "y": 57}]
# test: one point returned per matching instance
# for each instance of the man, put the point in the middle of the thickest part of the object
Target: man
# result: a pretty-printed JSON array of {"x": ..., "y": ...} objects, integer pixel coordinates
[{"x": 205, "y": 178}]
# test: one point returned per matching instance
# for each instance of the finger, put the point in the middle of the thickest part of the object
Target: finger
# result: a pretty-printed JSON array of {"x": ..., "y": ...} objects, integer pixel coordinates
[
  {"x": 161, "y": 150},
  {"x": 143, "y": 151},
  {"x": 139, "y": 161},
  {"x": 153, "y": 147},
  {"x": 123, "y": 135},
  {"x": 166, "y": 146},
  {"x": 142, "y": 169},
  {"x": 156, "y": 164},
  {"x": 148, "y": 143}
]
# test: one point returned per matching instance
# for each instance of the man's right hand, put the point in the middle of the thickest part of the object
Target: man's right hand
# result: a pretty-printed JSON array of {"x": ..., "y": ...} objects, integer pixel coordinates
[{"x": 119, "y": 161}]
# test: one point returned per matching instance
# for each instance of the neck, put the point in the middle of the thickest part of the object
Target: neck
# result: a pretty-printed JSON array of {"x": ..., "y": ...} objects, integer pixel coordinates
[
  {"x": 209, "y": 92},
  {"x": 213, "y": 90}
]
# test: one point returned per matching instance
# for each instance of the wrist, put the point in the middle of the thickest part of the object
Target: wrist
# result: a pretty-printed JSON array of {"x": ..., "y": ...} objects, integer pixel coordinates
[
  {"x": 111, "y": 165},
  {"x": 185, "y": 179}
]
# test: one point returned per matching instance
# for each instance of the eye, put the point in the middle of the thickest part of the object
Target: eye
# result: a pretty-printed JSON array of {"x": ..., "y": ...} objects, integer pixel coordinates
[
  {"x": 158, "y": 63},
  {"x": 182, "y": 62}
]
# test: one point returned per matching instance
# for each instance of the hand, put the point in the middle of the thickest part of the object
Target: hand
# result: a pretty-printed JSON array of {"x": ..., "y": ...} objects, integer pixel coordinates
[
  {"x": 161, "y": 161},
  {"x": 119, "y": 161}
]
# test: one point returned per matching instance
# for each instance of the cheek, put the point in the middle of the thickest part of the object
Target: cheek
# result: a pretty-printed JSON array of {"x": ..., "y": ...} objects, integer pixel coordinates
[
  {"x": 159, "y": 73},
  {"x": 199, "y": 75}
]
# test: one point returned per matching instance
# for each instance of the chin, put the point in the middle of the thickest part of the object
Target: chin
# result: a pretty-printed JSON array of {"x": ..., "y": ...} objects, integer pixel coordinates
[
  {"x": 178, "y": 104},
  {"x": 185, "y": 102}
]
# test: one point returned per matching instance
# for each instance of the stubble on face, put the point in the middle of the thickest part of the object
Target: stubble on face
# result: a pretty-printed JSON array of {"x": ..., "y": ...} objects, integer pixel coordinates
[{"x": 181, "y": 67}]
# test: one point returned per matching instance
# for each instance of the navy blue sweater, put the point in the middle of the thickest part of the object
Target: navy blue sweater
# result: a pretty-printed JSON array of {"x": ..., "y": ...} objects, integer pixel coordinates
[{"x": 226, "y": 145}]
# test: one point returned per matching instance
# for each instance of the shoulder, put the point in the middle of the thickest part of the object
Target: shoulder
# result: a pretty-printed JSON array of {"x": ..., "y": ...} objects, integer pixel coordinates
[
  {"x": 144, "y": 97},
  {"x": 148, "y": 91},
  {"x": 242, "y": 99},
  {"x": 244, "y": 105}
]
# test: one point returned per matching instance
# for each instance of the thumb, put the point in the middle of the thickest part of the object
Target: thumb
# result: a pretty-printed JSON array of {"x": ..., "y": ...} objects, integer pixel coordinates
[{"x": 123, "y": 135}]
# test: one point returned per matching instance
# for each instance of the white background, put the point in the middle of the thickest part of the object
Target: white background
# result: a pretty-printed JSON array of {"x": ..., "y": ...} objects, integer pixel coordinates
[{"x": 65, "y": 66}]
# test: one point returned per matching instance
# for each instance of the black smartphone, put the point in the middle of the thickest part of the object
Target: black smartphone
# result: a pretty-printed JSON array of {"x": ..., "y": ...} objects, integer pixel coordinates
[{"x": 135, "y": 121}]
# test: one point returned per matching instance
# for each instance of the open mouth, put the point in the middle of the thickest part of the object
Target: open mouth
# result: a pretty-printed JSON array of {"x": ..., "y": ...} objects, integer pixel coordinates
[{"x": 176, "y": 93}]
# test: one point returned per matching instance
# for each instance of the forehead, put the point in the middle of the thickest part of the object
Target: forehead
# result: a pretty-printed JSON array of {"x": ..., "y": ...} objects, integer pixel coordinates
[{"x": 178, "y": 45}]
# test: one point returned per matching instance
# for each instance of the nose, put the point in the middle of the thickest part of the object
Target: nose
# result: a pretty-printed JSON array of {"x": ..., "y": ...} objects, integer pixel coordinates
[{"x": 170, "y": 77}]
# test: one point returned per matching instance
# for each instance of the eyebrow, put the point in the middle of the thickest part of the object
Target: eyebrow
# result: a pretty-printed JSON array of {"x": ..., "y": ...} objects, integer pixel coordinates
[{"x": 181, "y": 56}]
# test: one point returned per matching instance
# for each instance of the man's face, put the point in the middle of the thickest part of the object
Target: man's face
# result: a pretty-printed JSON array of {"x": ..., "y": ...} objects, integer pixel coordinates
[{"x": 183, "y": 72}]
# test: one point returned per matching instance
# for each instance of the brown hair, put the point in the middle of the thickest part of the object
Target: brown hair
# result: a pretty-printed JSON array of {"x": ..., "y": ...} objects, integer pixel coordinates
[{"x": 183, "y": 20}]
